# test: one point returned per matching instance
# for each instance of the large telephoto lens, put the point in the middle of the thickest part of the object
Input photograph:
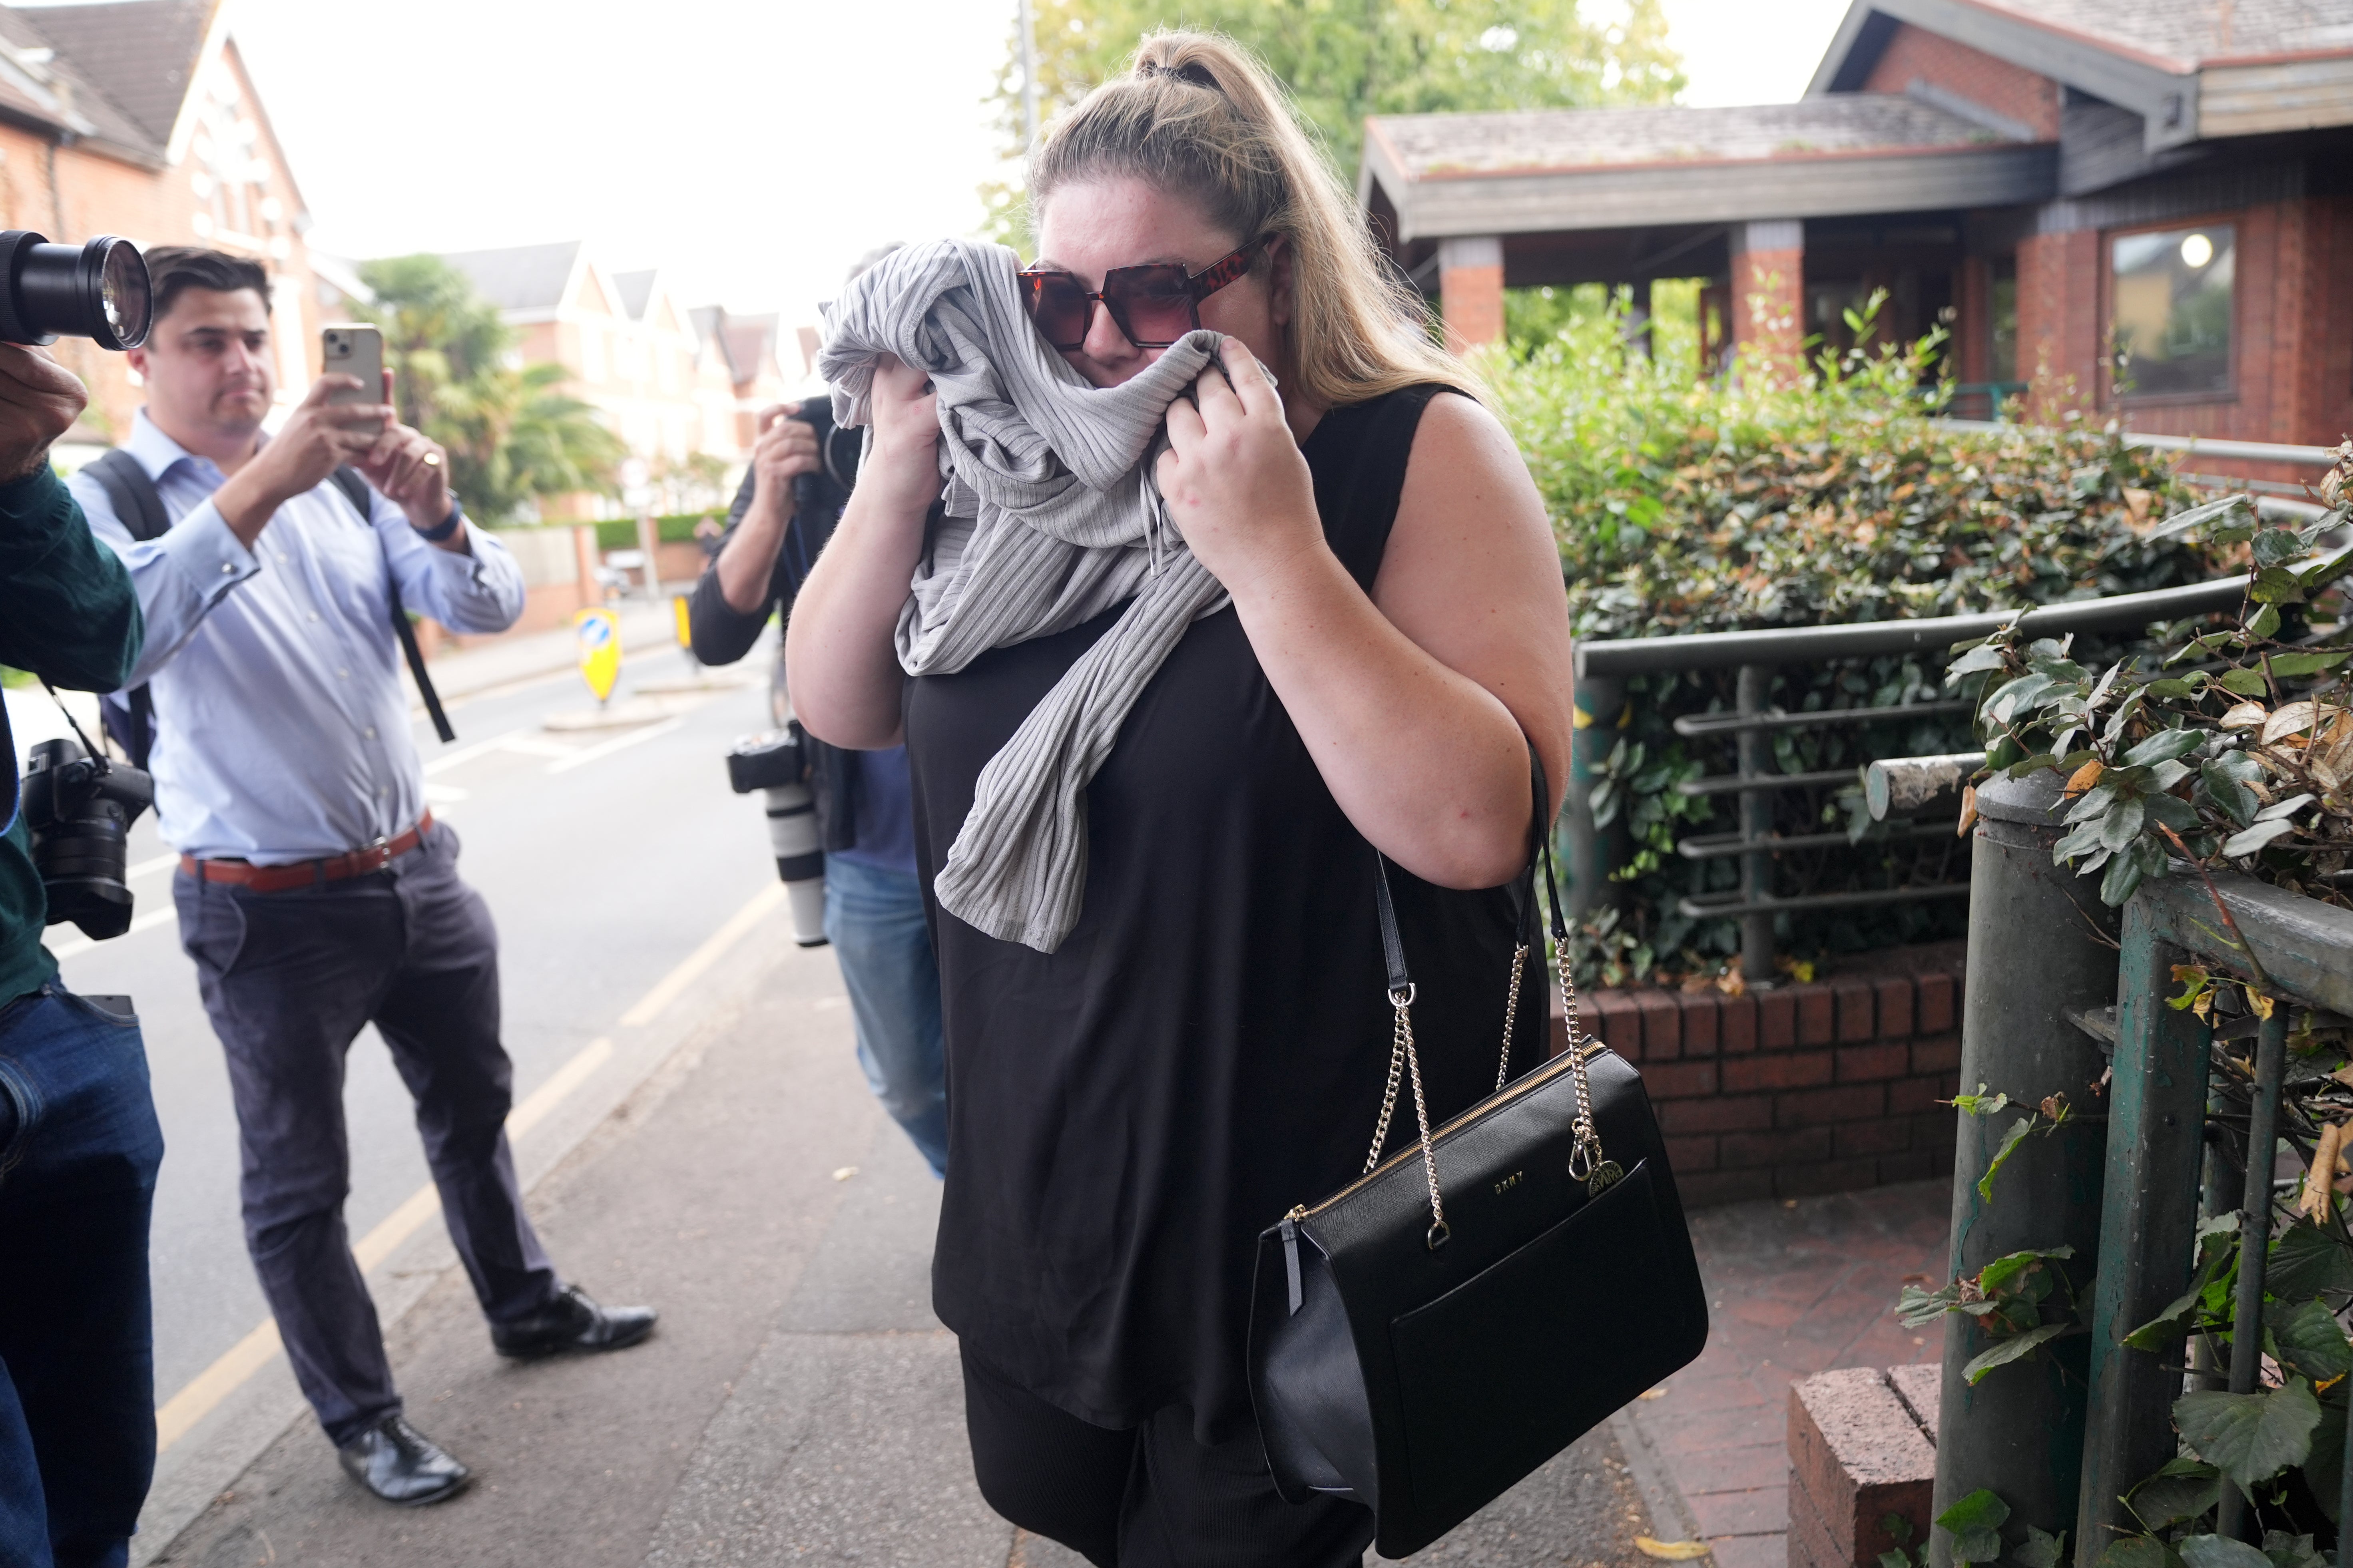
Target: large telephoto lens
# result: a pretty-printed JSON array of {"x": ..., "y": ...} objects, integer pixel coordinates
[{"x": 99, "y": 291}]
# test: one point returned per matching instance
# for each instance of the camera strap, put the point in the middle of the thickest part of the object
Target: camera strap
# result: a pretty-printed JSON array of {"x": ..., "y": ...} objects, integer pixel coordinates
[
  {"x": 138, "y": 506},
  {"x": 9, "y": 788}
]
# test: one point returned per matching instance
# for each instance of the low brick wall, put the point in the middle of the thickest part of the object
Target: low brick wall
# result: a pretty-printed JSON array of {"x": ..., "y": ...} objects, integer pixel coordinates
[
  {"x": 1863, "y": 1446},
  {"x": 1824, "y": 1087}
]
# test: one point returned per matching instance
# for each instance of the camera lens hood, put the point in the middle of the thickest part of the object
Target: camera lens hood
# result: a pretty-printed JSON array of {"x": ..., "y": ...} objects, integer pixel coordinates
[{"x": 98, "y": 291}]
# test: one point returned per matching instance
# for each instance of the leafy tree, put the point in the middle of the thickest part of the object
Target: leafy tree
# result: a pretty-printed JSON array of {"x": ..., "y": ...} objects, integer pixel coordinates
[
  {"x": 1344, "y": 59},
  {"x": 513, "y": 433}
]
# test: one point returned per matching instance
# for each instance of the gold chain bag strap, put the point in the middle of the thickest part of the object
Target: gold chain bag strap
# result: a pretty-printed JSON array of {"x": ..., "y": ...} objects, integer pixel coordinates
[
  {"x": 1587, "y": 1163},
  {"x": 1423, "y": 1338}
]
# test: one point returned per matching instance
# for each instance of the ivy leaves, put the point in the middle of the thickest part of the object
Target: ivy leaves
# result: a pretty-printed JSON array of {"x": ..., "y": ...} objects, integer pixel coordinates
[
  {"x": 2219, "y": 762},
  {"x": 2250, "y": 1437},
  {"x": 2006, "y": 1298},
  {"x": 1975, "y": 1524}
]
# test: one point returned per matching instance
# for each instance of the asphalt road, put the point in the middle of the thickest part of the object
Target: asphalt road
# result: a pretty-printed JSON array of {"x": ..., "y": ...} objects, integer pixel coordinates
[{"x": 606, "y": 856}]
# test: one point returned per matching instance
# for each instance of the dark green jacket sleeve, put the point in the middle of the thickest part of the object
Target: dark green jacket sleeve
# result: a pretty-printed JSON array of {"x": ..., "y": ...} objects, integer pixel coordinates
[{"x": 67, "y": 610}]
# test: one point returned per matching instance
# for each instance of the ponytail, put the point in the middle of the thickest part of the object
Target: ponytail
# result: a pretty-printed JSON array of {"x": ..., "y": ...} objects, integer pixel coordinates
[{"x": 1197, "y": 116}]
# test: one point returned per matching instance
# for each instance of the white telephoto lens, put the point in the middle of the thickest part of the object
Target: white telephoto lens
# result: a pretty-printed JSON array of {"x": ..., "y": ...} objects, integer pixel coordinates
[{"x": 801, "y": 859}]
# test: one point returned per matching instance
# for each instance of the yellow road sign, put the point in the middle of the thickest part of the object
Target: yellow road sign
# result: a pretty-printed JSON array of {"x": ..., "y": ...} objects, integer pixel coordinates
[{"x": 599, "y": 632}]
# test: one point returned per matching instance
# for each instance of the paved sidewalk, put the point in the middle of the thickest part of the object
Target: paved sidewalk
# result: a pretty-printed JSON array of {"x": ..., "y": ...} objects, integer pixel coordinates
[
  {"x": 493, "y": 662},
  {"x": 1795, "y": 1287},
  {"x": 800, "y": 1405}
]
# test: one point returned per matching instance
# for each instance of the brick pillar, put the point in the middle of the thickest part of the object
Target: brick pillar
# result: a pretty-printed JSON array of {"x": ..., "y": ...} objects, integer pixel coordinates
[
  {"x": 1471, "y": 290},
  {"x": 2298, "y": 309},
  {"x": 1768, "y": 296},
  {"x": 1972, "y": 344},
  {"x": 585, "y": 562},
  {"x": 2060, "y": 337}
]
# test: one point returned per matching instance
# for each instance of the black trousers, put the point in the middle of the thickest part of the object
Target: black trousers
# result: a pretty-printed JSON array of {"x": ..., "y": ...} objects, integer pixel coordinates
[
  {"x": 289, "y": 979},
  {"x": 1147, "y": 1498}
]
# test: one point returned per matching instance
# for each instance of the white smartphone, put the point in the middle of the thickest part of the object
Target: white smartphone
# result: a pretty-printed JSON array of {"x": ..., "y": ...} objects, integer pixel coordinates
[{"x": 357, "y": 351}]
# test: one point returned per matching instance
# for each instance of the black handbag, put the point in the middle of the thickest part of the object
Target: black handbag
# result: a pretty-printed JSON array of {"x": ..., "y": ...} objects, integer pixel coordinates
[{"x": 1428, "y": 1335}]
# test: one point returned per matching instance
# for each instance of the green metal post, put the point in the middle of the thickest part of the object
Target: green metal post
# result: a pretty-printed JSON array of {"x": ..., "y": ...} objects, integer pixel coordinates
[
  {"x": 2156, "y": 1113},
  {"x": 2254, "y": 1235},
  {"x": 2035, "y": 953},
  {"x": 1592, "y": 853}
]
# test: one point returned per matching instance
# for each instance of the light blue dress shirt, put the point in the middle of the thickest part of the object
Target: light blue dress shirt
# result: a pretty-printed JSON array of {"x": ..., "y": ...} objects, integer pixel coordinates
[{"x": 281, "y": 729}]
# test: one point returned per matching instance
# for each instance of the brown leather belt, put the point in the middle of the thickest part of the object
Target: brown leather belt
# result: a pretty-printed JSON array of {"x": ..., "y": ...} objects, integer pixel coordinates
[{"x": 308, "y": 873}]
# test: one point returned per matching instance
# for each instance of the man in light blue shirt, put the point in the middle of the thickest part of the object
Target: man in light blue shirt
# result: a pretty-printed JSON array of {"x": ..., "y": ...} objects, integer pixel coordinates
[{"x": 316, "y": 894}]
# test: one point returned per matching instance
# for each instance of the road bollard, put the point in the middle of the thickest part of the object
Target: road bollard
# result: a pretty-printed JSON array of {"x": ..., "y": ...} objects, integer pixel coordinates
[{"x": 2036, "y": 953}]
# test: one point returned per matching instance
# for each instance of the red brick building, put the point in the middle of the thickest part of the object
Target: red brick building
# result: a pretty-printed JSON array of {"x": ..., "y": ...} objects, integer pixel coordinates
[
  {"x": 137, "y": 118},
  {"x": 2144, "y": 209}
]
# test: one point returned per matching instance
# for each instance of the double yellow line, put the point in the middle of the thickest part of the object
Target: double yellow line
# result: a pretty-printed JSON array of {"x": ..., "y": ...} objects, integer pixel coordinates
[{"x": 204, "y": 1392}]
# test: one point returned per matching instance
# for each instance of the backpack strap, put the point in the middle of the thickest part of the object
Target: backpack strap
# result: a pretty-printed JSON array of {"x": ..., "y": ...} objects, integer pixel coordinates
[
  {"x": 139, "y": 507},
  {"x": 354, "y": 486}
]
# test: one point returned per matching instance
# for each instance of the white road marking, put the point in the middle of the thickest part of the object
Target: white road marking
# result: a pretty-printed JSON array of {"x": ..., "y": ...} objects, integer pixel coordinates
[
  {"x": 618, "y": 742},
  {"x": 74, "y": 947},
  {"x": 530, "y": 743},
  {"x": 204, "y": 1393}
]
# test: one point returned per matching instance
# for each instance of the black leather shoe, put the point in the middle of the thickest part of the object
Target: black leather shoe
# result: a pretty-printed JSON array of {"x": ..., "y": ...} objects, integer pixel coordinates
[
  {"x": 402, "y": 1464},
  {"x": 573, "y": 1322}
]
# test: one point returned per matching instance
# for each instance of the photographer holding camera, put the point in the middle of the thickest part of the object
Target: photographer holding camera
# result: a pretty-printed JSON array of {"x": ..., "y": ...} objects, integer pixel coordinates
[
  {"x": 315, "y": 892},
  {"x": 802, "y": 468},
  {"x": 79, "y": 1141}
]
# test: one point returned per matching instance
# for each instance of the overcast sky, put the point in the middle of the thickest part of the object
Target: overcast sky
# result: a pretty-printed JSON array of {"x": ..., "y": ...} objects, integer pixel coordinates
[{"x": 751, "y": 149}]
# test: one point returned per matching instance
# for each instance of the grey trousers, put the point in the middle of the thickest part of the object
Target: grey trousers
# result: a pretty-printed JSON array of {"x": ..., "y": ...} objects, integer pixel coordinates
[{"x": 289, "y": 979}]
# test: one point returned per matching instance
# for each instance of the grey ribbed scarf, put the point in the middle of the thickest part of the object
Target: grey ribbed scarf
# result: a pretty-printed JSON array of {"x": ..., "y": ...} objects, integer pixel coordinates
[{"x": 1052, "y": 516}]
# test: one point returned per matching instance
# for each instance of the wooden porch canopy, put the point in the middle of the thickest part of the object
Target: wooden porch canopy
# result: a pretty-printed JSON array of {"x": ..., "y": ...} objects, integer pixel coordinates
[{"x": 1626, "y": 194}]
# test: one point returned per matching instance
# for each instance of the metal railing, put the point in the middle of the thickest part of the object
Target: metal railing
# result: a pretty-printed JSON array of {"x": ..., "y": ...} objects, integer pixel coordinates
[
  {"x": 2208, "y": 446},
  {"x": 1603, "y": 667},
  {"x": 2157, "y": 1114},
  {"x": 1990, "y": 395}
]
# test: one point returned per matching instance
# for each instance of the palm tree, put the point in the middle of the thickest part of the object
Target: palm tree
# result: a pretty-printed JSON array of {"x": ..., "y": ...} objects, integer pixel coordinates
[{"x": 513, "y": 434}]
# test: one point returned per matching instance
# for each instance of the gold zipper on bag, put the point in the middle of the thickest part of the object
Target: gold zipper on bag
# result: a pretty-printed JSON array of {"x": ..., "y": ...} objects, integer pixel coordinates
[{"x": 1535, "y": 1080}]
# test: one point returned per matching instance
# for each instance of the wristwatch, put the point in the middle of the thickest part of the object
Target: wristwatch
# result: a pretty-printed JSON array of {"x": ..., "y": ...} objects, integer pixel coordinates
[{"x": 449, "y": 525}]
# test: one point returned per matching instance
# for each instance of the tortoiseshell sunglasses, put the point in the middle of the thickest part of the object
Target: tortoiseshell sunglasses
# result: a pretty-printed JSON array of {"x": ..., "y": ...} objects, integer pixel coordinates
[{"x": 1152, "y": 306}]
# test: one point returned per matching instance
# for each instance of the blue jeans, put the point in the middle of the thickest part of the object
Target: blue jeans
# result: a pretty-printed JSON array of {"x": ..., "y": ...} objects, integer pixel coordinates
[
  {"x": 77, "y": 1347},
  {"x": 874, "y": 918}
]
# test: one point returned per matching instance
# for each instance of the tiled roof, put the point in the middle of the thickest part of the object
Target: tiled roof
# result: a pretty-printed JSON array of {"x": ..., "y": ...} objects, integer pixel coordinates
[
  {"x": 746, "y": 340},
  {"x": 521, "y": 276},
  {"x": 636, "y": 289},
  {"x": 144, "y": 49},
  {"x": 139, "y": 54},
  {"x": 2182, "y": 35},
  {"x": 1437, "y": 145}
]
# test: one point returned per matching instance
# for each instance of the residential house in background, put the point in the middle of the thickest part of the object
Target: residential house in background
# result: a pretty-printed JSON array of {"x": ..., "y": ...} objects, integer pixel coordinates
[
  {"x": 137, "y": 118},
  {"x": 747, "y": 346},
  {"x": 628, "y": 347},
  {"x": 2146, "y": 209}
]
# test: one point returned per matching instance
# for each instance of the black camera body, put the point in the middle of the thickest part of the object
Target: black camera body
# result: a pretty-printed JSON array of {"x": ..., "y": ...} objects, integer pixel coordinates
[
  {"x": 825, "y": 493},
  {"x": 80, "y": 809}
]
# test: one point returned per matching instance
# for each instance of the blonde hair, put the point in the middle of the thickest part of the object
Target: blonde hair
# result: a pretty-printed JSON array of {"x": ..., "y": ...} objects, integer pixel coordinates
[{"x": 1197, "y": 116}]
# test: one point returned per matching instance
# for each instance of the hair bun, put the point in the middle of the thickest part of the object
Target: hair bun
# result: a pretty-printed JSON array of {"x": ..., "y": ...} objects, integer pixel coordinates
[{"x": 1190, "y": 71}]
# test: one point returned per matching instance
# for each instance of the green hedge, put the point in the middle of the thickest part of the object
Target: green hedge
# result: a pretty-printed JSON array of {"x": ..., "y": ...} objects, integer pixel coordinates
[
  {"x": 621, "y": 534},
  {"x": 1689, "y": 507}
]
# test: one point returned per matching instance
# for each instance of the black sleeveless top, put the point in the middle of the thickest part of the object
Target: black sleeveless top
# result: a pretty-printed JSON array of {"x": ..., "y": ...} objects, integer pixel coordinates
[{"x": 1208, "y": 1046}]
